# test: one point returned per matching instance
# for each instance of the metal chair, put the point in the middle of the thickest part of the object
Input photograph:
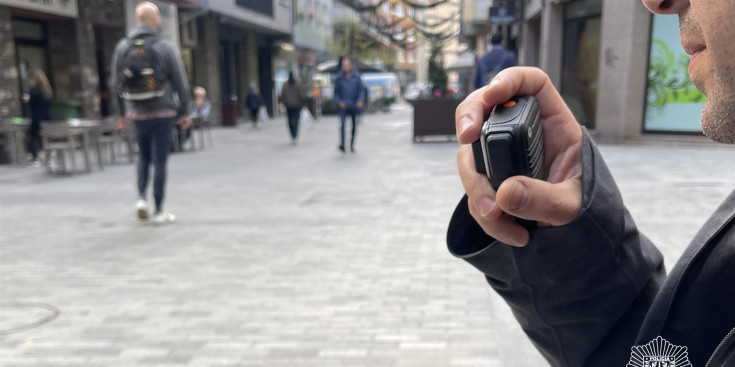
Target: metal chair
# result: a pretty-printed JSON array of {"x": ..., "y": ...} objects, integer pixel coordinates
[
  {"x": 205, "y": 124},
  {"x": 58, "y": 137},
  {"x": 108, "y": 137},
  {"x": 128, "y": 137}
]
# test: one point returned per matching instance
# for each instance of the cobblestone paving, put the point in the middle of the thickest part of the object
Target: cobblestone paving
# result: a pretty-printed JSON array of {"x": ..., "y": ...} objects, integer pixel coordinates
[{"x": 288, "y": 255}]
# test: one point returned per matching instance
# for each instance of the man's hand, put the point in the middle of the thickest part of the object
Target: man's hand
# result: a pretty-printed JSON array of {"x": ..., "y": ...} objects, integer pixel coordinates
[
  {"x": 358, "y": 104},
  {"x": 343, "y": 105},
  {"x": 554, "y": 202},
  {"x": 122, "y": 123},
  {"x": 185, "y": 122}
]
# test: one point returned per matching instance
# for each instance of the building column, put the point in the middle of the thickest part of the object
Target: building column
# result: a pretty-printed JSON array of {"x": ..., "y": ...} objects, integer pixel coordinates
[
  {"x": 621, "y": 95},
  {"x": 206, "y": 64},
  {"x": 87, "y": 57},
  {"x": 9, "y": 86},
  {"x": 552, "y": 42}
]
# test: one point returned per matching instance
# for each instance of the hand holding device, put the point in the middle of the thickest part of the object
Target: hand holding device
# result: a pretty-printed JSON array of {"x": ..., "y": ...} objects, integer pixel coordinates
[
  {"x": 555, "y": 201},
  {"x": 511, "y": 143}
]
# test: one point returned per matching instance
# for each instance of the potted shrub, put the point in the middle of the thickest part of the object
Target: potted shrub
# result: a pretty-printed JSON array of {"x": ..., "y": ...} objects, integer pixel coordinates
[{"x": 434, "y": 114}]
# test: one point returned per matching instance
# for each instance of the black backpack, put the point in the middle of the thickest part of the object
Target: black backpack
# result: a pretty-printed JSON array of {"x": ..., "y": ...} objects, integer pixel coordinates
[{"x": 141, "y": 74}]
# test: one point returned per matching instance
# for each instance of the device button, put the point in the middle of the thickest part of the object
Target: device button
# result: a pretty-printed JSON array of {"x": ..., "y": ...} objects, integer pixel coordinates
[
  {"x": 510, "y": 103},
  {"x": 500, "y": 158}
]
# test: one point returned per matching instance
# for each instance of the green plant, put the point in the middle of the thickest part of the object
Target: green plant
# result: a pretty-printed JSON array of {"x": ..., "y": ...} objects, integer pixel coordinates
[
  {"x": 437, "y": 75},
  {"x": 668, "y": 79}
]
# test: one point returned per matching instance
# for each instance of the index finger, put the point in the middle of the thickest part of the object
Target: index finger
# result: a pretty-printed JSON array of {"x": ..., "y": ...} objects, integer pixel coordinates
[{"x": 476, "y": 108}]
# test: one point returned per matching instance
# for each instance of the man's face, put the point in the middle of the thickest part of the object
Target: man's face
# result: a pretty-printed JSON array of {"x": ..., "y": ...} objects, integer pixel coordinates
[
  {"x": 708, "y": 34},
  {"x": 347, "y": 66}
]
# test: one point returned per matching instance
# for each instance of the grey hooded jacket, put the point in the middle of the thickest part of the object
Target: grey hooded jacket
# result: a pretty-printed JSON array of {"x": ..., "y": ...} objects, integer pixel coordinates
[
  {"x": 587, "y": 292},
  {"x": 176, "y": 97}
]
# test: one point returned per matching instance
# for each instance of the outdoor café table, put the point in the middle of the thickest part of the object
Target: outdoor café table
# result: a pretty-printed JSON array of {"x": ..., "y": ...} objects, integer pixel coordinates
[
  {"x": 90, "y": 135},
  {"x": 16, "y": 128}
]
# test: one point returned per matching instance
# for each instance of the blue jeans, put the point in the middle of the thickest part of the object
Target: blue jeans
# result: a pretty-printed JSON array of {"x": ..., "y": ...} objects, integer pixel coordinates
[
  {"x": 154, "y": 139},
  {"x": 293, "y": 121},
  {"x": 342, "y": 117}
]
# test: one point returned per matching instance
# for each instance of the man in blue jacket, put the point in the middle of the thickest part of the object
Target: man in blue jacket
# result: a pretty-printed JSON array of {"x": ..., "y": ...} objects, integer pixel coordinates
[
  {"x": 586, "y": 287},
  {"x": 495, "y": 59},
  {"x": 349, "y": 94}
]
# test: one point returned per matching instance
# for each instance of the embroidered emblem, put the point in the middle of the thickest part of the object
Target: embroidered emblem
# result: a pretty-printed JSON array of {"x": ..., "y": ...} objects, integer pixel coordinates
[{"x": 659, "y": 353}]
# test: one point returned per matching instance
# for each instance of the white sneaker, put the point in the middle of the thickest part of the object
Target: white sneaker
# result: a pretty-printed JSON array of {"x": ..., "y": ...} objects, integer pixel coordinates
[
  {"x": 163, "y": 217},
  {"x": 142, "y": 208}
]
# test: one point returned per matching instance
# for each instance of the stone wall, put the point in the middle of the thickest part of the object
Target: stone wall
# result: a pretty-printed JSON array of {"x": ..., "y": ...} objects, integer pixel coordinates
[{"x": 9, "y": 88}]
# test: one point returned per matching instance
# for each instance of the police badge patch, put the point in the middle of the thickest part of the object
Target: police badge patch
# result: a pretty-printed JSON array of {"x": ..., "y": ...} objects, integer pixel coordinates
[{"x": 659, "y": 353}]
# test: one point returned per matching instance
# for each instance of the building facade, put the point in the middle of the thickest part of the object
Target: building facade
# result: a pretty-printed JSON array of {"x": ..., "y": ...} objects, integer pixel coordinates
[
  {"x": 228, "y": 45},
  {"x": 71, "y": 41}
]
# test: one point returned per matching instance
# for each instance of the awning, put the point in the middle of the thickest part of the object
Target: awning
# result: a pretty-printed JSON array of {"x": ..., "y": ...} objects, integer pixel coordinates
[
  {"x": 331, "y": 66},
  {"x": 465, "y": 61},
  {"x": 228, "y": 12}
]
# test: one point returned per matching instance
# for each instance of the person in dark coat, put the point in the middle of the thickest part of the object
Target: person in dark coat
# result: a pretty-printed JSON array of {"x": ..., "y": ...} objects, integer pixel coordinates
[
  {"x": 292, "y": 97},
  {"x": 495, "y": 59},
  {"x": 586, "y": 286},
  {"x": 39, "y": 103},
  {"x": 349, "y": 95},
  {"x": 253, "y": 101}
]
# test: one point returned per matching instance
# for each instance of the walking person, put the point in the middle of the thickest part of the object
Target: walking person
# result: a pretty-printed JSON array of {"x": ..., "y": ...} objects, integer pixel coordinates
[
  {"x": 292, "y": 97},
  {"x": 147, "y": 73},
  {"x": 253, "y": 101},
  {"x": 349, "y": 95},
  {"x": 495, "y": 59},
  {"x": 39, "y": 102}
]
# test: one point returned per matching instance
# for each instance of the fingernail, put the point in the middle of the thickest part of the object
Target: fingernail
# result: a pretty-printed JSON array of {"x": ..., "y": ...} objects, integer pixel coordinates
[
  {"x": 464, "y": 123},
  {"x": 485, "y": 205},
  {"x": 519, "y": 196}
]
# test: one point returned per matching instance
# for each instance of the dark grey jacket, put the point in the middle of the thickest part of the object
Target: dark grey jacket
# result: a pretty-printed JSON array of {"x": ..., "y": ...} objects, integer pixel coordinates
[
  {"x": 176, "y": 97},
  {"x": 586, "y": 292}
]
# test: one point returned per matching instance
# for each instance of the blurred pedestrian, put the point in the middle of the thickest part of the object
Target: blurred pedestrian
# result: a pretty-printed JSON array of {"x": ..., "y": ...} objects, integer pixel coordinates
[
  {"x": 200, "y": 110},
  {"x": 253, "y": 101},
  {"x": 147, "y": 72},
  {"x": 292, "y": 97},
  {"x": 495, "y": 59},
  {"x": 349, "y": 95},
  {"x": 39, "y": 102}
]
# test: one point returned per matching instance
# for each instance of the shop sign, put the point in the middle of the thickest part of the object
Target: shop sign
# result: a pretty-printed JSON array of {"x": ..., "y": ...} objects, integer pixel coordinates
[
  {"x": 66, "y": 8},
  {"x": 502, "y": 14}
]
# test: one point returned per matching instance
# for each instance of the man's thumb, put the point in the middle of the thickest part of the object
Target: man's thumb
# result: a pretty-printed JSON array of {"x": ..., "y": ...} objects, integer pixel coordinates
[{"x": 527, "y": 198}]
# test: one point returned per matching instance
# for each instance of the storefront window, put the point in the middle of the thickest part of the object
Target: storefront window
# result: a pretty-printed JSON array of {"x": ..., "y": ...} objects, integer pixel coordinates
[
  {"x": 582, "y": 24},
  {"x": 673, "y": 103}
]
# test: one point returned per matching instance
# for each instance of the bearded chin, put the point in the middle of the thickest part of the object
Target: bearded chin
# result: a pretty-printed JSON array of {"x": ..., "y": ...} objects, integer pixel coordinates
[{"x": 718, "y": 119}]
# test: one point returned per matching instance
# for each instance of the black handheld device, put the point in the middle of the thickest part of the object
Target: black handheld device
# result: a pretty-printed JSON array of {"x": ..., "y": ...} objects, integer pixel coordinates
[{"x": 511, "y": 143}]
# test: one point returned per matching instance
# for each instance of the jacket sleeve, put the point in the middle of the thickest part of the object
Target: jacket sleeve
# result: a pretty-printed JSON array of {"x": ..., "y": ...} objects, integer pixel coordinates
[
  {"x": 177, "y": 76},
  {"x": 338, "y": 91},
  {"x": 120, "y": 103},
  {"x": 361, "y": 94},
  {"x": 580, "y": 291}
]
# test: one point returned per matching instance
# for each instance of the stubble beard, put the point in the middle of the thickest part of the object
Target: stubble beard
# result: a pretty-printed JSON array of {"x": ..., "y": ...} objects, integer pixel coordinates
[{"x": 718, "y": 114}]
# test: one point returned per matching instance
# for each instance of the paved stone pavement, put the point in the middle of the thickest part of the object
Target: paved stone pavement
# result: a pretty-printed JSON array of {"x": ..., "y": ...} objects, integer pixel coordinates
[{"x": 288, "y": 255}]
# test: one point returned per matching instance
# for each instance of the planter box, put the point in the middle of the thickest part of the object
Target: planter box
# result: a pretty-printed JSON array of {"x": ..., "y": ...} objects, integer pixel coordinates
[{"x": 434, "y": 117}]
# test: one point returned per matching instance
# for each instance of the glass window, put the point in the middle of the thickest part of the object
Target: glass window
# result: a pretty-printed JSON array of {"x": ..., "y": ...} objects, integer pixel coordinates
[{"x": 673, "y": 103}]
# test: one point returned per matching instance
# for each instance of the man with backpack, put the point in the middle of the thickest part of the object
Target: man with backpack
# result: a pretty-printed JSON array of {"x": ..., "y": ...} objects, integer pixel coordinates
[
  {"x": 146, "y": 74},
  {"x": 494, "y": 60}
]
